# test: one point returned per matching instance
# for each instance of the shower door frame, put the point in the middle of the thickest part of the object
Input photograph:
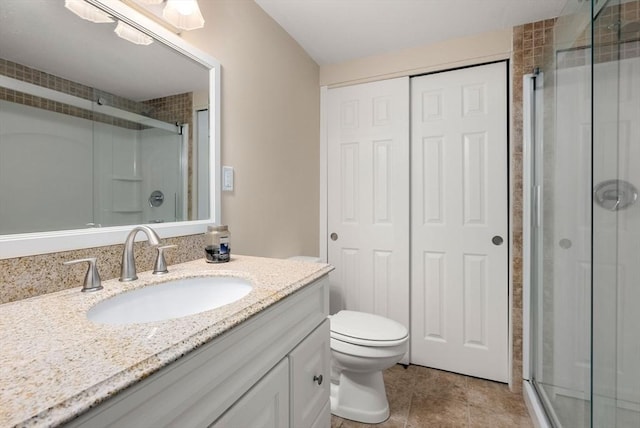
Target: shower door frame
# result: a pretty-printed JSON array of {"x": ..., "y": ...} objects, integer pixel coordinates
[
  {"x": 537, "y": 397},
  {"x": 532, "y": 149}
]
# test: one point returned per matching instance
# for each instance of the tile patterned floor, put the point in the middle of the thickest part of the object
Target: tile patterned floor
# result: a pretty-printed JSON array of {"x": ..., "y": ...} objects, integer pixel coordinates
[{"x": 420, "y": 397}]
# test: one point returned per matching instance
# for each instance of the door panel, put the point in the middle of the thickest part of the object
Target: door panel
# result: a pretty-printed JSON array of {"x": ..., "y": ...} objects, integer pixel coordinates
[
  {"x": 459, "y": 291},
  {"x": 368, "y": 197}
]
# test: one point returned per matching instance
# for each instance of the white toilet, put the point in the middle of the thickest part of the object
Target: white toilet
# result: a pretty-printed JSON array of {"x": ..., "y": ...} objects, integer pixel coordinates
[{"x": 362, "y": 346}]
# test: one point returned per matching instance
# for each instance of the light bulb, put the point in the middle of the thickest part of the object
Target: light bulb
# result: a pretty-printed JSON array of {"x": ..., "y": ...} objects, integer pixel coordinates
[
  {"x": 184, "y": 14},
  {"x": 184, "y": 7},
  {"x": 87, "y": 11},
  {"x": 131, "y": 34}
]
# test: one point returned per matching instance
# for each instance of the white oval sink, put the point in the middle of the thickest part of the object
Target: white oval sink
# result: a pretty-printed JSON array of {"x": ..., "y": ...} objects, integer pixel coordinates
[{"x": 173, "y": 299}]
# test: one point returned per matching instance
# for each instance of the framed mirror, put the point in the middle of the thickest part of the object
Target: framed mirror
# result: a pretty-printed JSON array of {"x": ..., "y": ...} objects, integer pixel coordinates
[{"x": 103, "y": 125}]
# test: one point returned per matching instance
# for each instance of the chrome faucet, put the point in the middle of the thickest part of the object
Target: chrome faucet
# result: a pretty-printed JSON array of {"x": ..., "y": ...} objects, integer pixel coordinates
[
  {"x": 92, "y": 280},
  {"x": 128, "y": 268}
]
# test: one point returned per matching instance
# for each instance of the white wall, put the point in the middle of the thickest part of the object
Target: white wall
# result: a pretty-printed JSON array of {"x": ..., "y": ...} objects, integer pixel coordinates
[{"x": 471, "y": 50}]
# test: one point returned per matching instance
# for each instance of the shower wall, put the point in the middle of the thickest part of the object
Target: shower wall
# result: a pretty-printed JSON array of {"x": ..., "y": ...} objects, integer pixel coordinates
[
  {"x": 101, "y": 173},
  {"x": 171, "y": 109},
  {"x": 39, "y": 148}
]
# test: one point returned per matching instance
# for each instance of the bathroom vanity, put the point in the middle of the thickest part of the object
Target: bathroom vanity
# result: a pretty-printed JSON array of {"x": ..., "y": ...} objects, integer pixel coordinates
[{"x": 260, "y": 361}]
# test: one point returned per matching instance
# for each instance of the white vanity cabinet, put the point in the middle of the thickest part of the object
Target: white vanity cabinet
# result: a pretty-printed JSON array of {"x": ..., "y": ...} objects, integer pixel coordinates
[
  {"x": 266, "y": 405},
  {"x": 262, "y": 373},
  {"x": 310, "y": 369},
  {"x": 293, "y": 394}
]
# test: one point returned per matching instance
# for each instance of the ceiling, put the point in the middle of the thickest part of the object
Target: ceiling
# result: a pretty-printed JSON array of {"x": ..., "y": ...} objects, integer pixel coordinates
[{"x": 334, "y": 31}]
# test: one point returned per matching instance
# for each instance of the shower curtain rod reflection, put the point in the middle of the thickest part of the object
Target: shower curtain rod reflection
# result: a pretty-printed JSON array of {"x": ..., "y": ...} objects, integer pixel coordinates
[{"x": 50, "y": 94}]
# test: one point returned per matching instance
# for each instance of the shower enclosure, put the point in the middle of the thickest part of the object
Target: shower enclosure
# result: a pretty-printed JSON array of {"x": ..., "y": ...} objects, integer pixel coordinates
[
  {"x": 582, "y": 218},
  {"x": 68, "y": 162}
]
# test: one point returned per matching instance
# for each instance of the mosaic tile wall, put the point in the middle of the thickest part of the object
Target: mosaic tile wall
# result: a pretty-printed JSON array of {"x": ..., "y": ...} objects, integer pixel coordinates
[
  {"x": 175, "y": 108},
  {"x": 531, "y": 42},
  {"x": 623, "y": 18},
  {"x": 49, "y": 81}
]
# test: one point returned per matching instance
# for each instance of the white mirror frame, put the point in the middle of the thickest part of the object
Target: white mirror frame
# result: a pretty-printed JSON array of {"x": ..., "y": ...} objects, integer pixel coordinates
[{"x": 28, "y": 244}]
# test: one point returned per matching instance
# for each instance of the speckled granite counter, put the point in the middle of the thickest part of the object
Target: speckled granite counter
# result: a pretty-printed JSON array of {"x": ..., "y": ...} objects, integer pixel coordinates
[{"x": 55, "y": 363}]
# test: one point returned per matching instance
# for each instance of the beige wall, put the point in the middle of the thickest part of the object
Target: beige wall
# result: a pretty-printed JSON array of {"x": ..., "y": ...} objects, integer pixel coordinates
[
  {"x": 270, "y": 129},
  {"x": 477, "y": 49}
]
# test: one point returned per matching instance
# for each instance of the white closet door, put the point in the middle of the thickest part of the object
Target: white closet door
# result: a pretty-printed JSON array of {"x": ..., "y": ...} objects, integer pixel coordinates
[
  {"x": 459, "y": 248},
  {"x": 368, "y": 197}
]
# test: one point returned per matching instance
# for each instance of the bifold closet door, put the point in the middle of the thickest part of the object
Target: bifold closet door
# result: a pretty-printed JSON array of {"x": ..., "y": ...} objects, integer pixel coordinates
[
  {"x": 459, "y": 221},
  {"x": 368, "y": 197}
]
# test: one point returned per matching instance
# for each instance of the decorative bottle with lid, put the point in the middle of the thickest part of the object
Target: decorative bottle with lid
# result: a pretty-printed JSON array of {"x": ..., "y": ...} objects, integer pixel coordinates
[{"x": 216, "y": 244}]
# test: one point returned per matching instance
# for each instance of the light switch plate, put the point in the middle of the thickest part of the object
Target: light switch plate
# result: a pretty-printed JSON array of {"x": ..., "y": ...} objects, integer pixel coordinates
[{"x": 227, "y": 179}]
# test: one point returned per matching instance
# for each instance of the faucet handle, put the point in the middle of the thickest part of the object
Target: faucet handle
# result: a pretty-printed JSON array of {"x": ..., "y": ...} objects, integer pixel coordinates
[
  {"x": 160, "y": 266},
  {"x": 92, "y": 280}
]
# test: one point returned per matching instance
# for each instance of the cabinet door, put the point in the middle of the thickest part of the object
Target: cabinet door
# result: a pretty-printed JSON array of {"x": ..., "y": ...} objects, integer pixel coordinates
[
  {"x": 310, "y": 378},
  {"x": 324, "y": 418},
  {"x": 265, "y": 405}
]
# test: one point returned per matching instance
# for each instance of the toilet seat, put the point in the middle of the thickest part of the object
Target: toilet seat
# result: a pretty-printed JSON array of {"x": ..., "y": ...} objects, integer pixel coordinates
[
  {"x": 365, "y": 342},
  {"x": 359, "y": 328}
]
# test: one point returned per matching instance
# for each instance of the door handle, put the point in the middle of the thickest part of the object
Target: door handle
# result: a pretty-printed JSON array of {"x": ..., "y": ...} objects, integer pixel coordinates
[
  {"x": 334, "y": 236},
  {"x": 497, "y": 240}
]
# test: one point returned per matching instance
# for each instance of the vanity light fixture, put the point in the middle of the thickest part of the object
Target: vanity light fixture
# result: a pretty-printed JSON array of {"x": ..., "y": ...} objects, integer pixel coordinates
[
  {"x": 184, "y": 14},
  {"x": 132, "y": 35},
  {"x": 87, "y": 11}
]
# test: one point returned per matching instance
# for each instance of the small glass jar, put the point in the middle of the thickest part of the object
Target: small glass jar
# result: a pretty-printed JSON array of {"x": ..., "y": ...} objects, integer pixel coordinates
[{"x": 216, "y": 244}]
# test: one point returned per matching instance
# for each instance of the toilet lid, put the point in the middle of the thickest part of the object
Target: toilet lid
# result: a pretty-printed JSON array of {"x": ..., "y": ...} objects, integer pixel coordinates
[{"x": 360, "y": 327}]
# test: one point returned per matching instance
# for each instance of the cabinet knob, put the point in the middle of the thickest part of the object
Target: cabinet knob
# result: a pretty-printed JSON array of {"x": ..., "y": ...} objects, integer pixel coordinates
[{"x": 318, "y": 379}]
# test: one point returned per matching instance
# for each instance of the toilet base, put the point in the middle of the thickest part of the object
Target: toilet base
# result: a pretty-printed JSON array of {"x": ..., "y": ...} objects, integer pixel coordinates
[{"x": 360, "y": 397}]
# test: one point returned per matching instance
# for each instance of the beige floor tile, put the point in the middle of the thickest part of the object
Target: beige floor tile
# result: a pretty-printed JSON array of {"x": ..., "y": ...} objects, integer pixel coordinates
[
  {"x": 439, "y": 384},
  {"x": 346, "y": 423},
  {"x": 494, "y": 395},
  {"x": 336, "y": 422},
  {"x": 437, "y": 412},
  {"x": 492, "y": 417},
  {"x": 421, "y": 397}
]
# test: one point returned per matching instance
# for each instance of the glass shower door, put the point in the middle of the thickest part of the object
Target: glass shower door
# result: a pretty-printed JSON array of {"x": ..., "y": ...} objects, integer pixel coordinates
[
  {"x": 561, "y": 263},
  {"x": 616, "y": 214}
]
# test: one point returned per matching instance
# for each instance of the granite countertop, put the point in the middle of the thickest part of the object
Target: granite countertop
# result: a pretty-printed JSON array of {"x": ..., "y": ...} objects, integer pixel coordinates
[{"x": 55, "y": 363}]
